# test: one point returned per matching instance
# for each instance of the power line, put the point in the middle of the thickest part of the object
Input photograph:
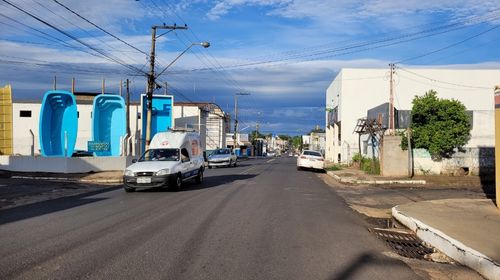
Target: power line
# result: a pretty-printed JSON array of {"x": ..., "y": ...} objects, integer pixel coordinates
[
  {"x": 100, "y": 28},
  {"x": 450, "y": 46},
  {"x": 74, "y": 38},
  {"x": 442, "y": 82}
]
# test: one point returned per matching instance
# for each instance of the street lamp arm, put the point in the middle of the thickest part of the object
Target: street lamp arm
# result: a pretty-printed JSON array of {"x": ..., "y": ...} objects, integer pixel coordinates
[{"x": 203, "y": 44}]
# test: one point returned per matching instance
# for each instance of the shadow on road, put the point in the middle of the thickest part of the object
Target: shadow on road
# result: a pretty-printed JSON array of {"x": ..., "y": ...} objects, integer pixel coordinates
[
  {"x": 368, "y": 261},
  {"x": 49, "y": 206},
  {"x": 208, "y": 182}
]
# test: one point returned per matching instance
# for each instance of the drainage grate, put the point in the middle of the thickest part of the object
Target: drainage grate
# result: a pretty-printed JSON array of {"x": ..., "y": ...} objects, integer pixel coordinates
[{"x": 404, "y": 243}]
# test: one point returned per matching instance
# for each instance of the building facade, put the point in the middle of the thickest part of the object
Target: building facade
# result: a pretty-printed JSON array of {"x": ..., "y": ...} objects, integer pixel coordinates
[
  {"x": 207, "y": 118},
  {"x": 355, "y": 91}
]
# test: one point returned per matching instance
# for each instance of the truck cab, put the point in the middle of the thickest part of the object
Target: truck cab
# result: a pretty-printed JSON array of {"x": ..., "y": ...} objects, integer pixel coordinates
[{"x": 172, "y": 158}]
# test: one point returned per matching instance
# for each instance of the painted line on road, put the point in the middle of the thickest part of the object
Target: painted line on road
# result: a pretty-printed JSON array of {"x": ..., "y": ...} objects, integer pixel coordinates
[{"x": 270, "y": 160}]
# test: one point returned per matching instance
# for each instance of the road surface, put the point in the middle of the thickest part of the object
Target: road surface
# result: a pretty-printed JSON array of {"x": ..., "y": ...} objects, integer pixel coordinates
[{"x": 260, "y": 220}]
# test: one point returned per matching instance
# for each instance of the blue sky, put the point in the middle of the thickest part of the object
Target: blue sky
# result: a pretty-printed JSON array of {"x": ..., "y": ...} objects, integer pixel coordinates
[{"x": 284, "y": 53}]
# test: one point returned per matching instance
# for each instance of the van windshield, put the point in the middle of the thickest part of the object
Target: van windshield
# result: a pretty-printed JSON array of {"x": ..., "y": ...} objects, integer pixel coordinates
[{"x": 160, "y": 155}]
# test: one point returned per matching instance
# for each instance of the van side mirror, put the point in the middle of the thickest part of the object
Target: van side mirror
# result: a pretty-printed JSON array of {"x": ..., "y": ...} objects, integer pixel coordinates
[{"x": 134, "y": 160}]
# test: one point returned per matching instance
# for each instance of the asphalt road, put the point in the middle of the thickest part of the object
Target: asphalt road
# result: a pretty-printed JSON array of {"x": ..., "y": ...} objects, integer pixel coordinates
[{"x": 260, "y": 220}]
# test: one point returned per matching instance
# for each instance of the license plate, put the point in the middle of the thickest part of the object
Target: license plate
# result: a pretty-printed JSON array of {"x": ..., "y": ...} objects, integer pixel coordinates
[{"x": 143, "y": 180}]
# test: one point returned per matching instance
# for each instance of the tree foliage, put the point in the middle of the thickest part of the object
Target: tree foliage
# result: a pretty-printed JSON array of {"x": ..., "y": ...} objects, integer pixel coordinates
[
  {"x": 297, "y": 142},
  {"x": 438, "y": 125}
]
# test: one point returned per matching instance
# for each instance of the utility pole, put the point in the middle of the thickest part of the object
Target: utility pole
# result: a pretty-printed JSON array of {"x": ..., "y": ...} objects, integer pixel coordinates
[
  {"x": 127, "y": 88},
  {"x": 391, "y": 100},
  {"x": 235, "y": 136},
  {"x": 151, "y": 76}
]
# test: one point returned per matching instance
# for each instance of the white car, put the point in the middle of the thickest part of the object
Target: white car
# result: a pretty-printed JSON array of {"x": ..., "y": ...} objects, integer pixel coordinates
[
  {"x": 311, "y": 159},
  {"x": 222, "y": 157}
]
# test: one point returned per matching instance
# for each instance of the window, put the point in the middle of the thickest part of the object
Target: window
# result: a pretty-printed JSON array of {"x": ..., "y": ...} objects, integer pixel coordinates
[
  {"x": 25, "y": 113},
  {"x": 184, "y": 155}
]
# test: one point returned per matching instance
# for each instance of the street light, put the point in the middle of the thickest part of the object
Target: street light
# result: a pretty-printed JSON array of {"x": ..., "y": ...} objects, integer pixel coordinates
[
  {"x": 235, "y": 136},
  {"x": 203, "y": 44},
  {"x": 152, "y": 77}
]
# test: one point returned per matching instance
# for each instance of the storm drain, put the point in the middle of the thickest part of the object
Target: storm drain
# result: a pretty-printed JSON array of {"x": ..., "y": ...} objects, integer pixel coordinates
[{"x": 405, "y": 244}]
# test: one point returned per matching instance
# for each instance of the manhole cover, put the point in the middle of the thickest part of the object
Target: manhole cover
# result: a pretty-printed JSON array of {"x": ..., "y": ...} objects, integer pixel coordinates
[{"x": 404, "y": 243}]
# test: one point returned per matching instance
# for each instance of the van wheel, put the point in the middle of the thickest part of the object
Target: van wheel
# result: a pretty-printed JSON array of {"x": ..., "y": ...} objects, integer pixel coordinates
[
  {"x": 235, "y": 163},
  {"x": 199, "y": 177},
  {"x": 176, "y": 184}
]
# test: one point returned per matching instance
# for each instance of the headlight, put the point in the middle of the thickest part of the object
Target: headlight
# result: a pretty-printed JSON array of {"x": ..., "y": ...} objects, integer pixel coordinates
[
  {"x": 163, "y": 172},
  {"x": 128, "y": 172}
]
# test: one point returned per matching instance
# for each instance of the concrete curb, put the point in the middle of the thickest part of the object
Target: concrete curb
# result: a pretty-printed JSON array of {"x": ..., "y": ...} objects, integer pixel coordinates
[
  {"x": 375, "y": 182},
  {"x": 75, "y": 180},
  {"x": 451, "y": 247}
]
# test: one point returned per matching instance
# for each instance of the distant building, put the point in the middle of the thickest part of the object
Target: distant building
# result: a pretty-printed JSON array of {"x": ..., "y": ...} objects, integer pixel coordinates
[{"x": 207, "y": 118}]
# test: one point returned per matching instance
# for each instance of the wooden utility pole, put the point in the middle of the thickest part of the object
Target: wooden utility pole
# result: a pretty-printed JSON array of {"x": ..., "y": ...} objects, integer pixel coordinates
[
  {"x": 127, "y": 88},
  {"x": 391, "y": 100},
  {"x": 151, "y": 77}
]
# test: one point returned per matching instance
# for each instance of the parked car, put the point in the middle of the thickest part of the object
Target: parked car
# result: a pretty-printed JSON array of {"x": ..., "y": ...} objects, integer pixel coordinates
[
  {"x": 222, "y": 157},
  {"x": 311, "y": 159}
]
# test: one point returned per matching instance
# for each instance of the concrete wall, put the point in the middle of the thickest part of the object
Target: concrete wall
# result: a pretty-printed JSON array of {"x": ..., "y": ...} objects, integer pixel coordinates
[
  {"x": 64, "y": 165},
  {"x": 355, "y": 91},
  {"x": 393, "y": 160},
  {"x": 23, "y": 125},
  {"x": 473, "y": 161}
]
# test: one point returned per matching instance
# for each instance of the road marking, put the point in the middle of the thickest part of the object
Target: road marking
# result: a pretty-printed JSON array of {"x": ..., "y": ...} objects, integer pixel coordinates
[{"x": 270, "y": 160}]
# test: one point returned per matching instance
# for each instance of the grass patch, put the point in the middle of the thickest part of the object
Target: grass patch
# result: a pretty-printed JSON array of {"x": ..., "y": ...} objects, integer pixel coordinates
[{"x": 334, "y": 167}]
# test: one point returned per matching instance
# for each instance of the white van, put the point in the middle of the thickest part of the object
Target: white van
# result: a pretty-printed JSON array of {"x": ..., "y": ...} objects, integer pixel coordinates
[{"x": 172, "y": 158}]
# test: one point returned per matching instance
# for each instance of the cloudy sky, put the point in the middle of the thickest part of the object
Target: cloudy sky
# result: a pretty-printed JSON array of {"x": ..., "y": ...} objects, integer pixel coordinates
[{"x": 284, "y": 53}]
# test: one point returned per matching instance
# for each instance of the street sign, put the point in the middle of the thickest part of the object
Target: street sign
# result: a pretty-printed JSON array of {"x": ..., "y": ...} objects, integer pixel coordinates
[{"x": 94, "y": 146}]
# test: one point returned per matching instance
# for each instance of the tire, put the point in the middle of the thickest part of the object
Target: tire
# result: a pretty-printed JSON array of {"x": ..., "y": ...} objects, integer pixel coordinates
[
  {"x": 230, "y": 163},
  {"x": 209, "y": 167},
  {"x": 199, "y": 177},
  {"x": 235, "y": 163},
  {"x": 299, "y": 168},
  {"x": 176, "y": 183},
  {"x": 128, "y": 189}
]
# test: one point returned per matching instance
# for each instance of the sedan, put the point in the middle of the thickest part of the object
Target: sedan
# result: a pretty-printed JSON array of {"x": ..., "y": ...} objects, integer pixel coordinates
[
  {"x": 222, "y": 157},
  {"x": 311, "y": 159}
]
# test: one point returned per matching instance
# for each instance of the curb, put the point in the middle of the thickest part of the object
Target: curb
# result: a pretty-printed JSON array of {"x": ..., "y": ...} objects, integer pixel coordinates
[
  {"x": 74, "y": 180},
  {"x": 375, "y": 182},
  {"x": 451, "y": 247}
]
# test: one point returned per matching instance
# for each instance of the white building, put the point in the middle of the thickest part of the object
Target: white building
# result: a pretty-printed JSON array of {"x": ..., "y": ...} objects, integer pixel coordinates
[
  {"x": 354, "y": 91},
  {"x": 207, "y": 118}
]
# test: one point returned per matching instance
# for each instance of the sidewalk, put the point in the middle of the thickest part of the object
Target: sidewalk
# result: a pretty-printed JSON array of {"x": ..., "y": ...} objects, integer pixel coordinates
[
  {"x": 105, "y": 177},
  {"x": 467, "y": 230},
  {"x": 446, "y": 212}
]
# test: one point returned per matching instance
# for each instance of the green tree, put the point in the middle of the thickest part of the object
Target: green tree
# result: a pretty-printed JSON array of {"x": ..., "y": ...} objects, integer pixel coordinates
[
  {"x": 438, "y": 125},
  {"x": 297, "y": 142}
]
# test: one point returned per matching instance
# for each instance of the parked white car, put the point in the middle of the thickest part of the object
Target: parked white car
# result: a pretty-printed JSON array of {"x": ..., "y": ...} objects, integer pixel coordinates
[
  {"x": 311, "y": 159},
  {"x": 222, "y": 157}
]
